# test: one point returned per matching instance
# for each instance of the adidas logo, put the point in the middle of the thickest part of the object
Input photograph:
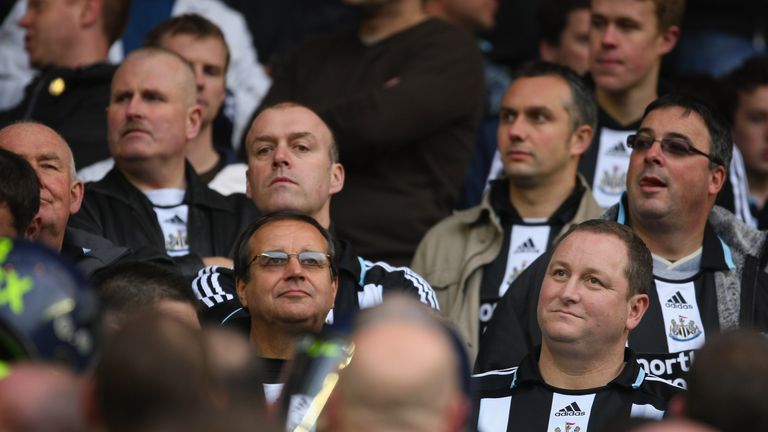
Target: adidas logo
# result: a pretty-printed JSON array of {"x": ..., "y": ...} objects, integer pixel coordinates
[
  {"x": 618, "y": 150},
  {"x": 677, "y": 301},
  {"x": 176, "y": 220},
  {"x": 527, "y": 247},
  {"x": 571, "y": 410}
]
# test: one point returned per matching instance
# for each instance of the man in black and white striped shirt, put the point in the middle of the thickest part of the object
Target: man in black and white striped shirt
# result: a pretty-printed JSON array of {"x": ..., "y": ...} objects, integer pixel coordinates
[{"x": 582, "y": 377}]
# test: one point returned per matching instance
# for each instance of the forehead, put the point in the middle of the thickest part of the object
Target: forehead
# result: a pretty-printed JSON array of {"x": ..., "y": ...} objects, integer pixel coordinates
[
  {"x": 643, "y": 11},
  {"x": 285, "y": 121},
  {"x": 677, "y": 120},
  {"x": 33, "y": 141},
  {"x": 210, "y": 49},
  {"x": 604, "y": 252},
  {"x": 288, "y": 235},
  {"x": 159, "y": 71},
  {"x": 551, "y": 91}
]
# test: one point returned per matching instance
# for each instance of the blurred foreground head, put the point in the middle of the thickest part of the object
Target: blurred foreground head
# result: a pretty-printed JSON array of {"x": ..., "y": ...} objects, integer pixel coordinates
[
  {"x": 47, "y": 311},
  {"x": 408, "y": 373}
]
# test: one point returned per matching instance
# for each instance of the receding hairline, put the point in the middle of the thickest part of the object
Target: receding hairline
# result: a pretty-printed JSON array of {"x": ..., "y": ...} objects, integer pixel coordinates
[
  {"x": 150, "y": 53},
  {"x": 252, "y": 136},
  {"x": 23, "y": 127}
]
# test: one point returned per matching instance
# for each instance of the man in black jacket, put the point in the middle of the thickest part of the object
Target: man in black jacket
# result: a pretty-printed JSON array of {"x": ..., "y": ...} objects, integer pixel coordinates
[
  {"x": 61, "y": 195},
  {"x": 69, "y": 42},
  {"x": 153, "y": 197}
]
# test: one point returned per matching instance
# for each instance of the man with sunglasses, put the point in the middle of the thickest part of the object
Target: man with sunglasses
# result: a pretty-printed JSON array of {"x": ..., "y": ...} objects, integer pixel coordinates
[
  {"x": 708, "y": 266},
  {"x": 286, "y": 277}
]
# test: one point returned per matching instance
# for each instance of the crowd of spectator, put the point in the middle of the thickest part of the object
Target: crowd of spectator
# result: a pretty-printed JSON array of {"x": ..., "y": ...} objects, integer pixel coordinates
[{"x": 384, "y": 215}]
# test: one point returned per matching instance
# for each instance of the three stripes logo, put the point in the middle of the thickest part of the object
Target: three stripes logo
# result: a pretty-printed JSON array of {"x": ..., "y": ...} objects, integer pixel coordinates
[
  {"x": 527, "y": 247},
  {"x": 677, "y": 301},
  {"x": 617, "y": 150},
  {"x": 571, "y": 410}
]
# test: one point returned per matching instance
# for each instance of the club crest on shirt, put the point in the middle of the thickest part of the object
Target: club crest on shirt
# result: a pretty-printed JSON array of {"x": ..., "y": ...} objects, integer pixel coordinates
[
  {"x": 569, "y": 427},
  {"x": 684, "y": 330},
  {"x": 613, "y": 182}
]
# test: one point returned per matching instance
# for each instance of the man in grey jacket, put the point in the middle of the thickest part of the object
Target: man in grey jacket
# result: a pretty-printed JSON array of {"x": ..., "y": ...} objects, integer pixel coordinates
[{"x": 709, "y": 268}]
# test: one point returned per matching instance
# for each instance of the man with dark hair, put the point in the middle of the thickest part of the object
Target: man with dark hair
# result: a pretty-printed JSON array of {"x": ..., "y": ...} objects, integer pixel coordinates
[
  {"x": 126, "y": 289},
  {"x": 293, "y": 164},
  {"x": 729, "y": 381},
  {"x": 403, "y": 93},
  {"x": 286, "y": 277},
  {"x": 710, "y": 275},
  {"x": 582, "y": 376},
  {"x": 153, "y": 369},
  {"x": 153, "y": 197},
  {"x": 19, "y": 197},
  {"x": 68, "y": 41},
  {"x": 546, "y": 123},
  {"x": 747, "y": 89},
  {"x": 628, "y": 39},
  {"x": 564, "y": 33}
]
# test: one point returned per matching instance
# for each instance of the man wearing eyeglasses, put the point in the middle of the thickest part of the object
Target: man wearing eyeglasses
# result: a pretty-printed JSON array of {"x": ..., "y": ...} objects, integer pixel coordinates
[
  {"x": 708, "y": 266},
  {"x": 286, "y": 278}
]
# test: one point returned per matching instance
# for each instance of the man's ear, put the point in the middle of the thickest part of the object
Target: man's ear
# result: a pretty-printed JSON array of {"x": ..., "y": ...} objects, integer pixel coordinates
[
  {"x": 240, "y": 287},
  {"x": 337, "y": 178},
  {"x": 581, "y": 138},
  {"x": 194, "y": 121},
  {"x": 669, "y": 38},
  {"x": 716, "y": 179},
  {"x": 33, "y": 230},
  {"x": 76, "y": 194},
  {"x": 248, "y": 183},
  {"x": 636, "y": 307},
  {"x": 90, "y": 12}
]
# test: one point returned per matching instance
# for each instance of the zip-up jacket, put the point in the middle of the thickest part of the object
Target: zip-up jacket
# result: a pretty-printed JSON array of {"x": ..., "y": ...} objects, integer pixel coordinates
[
  {"x": 115, "y": 209},
  {"x": 453, "y": 253}
]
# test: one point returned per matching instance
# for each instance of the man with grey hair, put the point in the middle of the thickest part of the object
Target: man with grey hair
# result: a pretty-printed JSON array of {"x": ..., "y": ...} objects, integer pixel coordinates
[
  {"x": 547, "y": 119},
  {"x": 152, "y": 197},
  {"x": 61, "y": 195}
]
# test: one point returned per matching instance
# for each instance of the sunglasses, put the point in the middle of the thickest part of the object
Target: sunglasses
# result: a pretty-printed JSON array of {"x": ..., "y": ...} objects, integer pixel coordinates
[
  {"x": 307, "y": 259},
  {"x": 676, "y": 147}
]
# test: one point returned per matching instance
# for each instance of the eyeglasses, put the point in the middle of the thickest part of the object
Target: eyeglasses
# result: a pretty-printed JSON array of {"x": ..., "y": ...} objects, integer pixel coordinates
[
  {"x": 676, "y": 147},
  {"x": 307, "y": 259}
]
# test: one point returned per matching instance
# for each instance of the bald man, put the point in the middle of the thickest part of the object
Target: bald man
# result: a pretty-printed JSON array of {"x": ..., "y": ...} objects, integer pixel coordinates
[
  {"x": 153, "y": 197},
  {"x": 406, "y": 374},
  {"x": 61, "y": 195}
]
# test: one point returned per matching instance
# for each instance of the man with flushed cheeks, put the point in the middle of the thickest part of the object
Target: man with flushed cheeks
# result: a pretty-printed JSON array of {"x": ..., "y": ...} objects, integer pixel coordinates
[
  {"x": 61, "y": 196},
  {"x": 627, "y": 41},
  {"x": 153, "y": 197},
  {"x": 61, "y": 193},
  {"x": 708, "y": 274},
  {"x": 546, "y": 120},
  {"x": 594, "y": 293},
  {"x": 286, "y": 278}
]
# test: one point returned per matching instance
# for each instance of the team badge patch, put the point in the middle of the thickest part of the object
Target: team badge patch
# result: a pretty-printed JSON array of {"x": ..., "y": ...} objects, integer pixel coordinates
[
  {"x": 613, "y": 182},
  {"x": 568, "y": 427},
  {"x": 684, "y": 330}
]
